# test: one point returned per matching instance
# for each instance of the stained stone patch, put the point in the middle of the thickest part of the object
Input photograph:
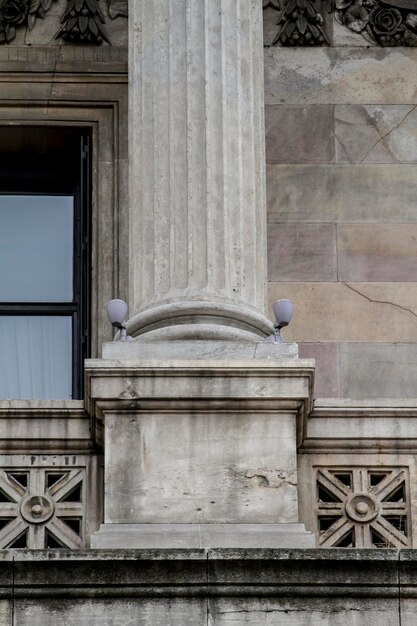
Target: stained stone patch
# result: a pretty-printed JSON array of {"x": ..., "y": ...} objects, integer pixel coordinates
[
  {"x": 299, "y": 134},
  {"x": 340, "y": 75},
  {"x": 302, "y": 252},
  {"x": 377, "y": 252},
  {"x": 336, "y": 311},
  {"x": 342, "y": 193},
  {"x": 326, "y": 356}
]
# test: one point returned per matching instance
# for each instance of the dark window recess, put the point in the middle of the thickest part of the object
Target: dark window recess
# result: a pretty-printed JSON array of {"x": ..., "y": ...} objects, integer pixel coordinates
[
  {"x": 348, "y": 541},
  {"x": 397, "y": 496},
  {"x": 45, "y": 191},
  {"x": 376, "y": 477},
  {"x": 325, "y": 496},
  {"x": 345, "y": 478},
  {"x": 326, "y": 522}
]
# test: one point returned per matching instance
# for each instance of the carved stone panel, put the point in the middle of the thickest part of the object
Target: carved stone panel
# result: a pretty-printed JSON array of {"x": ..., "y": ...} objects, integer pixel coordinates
[
  {"x": 73, "y": 21},
  {"x": 297, "y": 23},
  {"x": 46, "y": 501},
  {"x": 362, "y": 507},
  {"x": 381, "y": 22}
]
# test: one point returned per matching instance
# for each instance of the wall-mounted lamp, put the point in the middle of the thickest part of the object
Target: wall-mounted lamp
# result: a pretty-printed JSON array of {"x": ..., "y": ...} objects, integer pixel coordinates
[
  {"x": 283, "y": 310},
  {"x": 117, "y": 313}
]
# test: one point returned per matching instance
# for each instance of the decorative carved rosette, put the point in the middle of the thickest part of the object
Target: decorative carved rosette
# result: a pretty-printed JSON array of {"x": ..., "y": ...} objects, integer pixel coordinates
[
  {"x": 384, "y": 22},
  {"x": 362, "y": 508},
  {"x": 41, "y": 508},
  {"x": 13, "y": 13}
]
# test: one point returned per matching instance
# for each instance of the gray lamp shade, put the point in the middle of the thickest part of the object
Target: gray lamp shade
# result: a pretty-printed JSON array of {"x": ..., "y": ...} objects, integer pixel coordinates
[
  {"x": 117, "y": 312},
  {"x": 283, "y": 310}
]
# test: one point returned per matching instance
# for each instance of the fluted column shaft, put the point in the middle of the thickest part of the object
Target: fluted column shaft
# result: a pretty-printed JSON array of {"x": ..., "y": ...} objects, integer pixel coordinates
[{"x": 197, "y": 180}]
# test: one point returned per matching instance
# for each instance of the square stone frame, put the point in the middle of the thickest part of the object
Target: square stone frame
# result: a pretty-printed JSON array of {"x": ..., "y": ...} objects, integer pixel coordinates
[
  {"x": 344, "y": 461},
  {"x": 92, "y": 493},
  {"x": 97, "y": 102}
]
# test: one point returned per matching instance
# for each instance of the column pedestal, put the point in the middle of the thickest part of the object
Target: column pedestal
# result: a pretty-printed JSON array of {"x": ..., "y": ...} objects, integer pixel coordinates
[{"x": 200, "y": 452}]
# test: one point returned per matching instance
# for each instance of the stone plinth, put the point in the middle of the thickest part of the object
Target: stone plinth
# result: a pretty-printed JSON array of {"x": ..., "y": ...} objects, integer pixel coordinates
[{"x": 197, "y": 444}]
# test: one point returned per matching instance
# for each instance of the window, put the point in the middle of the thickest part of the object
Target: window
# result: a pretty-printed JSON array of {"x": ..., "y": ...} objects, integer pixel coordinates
[{"x": 44, "y": 261}]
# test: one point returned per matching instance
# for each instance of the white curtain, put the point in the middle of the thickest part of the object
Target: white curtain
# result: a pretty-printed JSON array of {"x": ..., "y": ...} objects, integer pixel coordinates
[{"x": 35, "y": 357}]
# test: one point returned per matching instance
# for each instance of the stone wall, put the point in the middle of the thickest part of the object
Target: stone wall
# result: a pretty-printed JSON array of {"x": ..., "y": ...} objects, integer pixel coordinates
[
  {"x": 341, "y": 138},
  {"x": 208, "y": 588}
]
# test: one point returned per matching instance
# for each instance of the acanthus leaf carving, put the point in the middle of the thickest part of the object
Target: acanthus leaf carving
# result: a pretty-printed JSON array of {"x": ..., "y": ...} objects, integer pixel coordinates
[
  {"x": 82, "y": 23},
  {"x": 300, "y": 23}
]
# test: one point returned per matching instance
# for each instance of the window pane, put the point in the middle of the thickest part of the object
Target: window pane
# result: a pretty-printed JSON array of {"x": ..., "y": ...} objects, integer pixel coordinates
[
  {"x": 36, "y": 248},
  {"x": 35, "y": 357}
]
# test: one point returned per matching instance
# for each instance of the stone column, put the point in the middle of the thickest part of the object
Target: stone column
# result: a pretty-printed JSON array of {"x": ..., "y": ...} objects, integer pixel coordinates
[
  {"x": 197, "y": 193},
  {"x": 199, "y": 436}
]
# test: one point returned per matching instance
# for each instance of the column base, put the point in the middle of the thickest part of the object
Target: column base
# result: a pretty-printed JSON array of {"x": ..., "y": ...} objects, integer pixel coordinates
[
  {"x": 211, "y": 318},
  {"x": 159, "y": 536},
  {"x": 198, "y": 350}
]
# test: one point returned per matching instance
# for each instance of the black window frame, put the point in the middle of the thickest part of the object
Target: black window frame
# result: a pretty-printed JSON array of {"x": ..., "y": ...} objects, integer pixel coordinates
[{"x": 79, "y": 186}]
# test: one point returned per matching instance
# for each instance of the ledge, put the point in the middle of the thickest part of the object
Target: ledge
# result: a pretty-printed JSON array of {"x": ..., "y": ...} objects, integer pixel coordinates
[
  {"x": 44, "y": 426},
  {"x": 372, "y": 425},
  {"x": 219, "y": 572},
  {"x": 63, "y": 59}
]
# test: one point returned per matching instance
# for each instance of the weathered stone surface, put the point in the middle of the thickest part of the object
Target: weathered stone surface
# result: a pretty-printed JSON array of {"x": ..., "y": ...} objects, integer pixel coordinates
[
  {"x": 342, "y": 193},
  {"x": 357, "y": 422},
  {"x": 302, "y": 252},
  {"x": 198, "y": 350},
  {"x": 376, "y": 134},
  {"x": 326, "y": 356},
  {"x": 377, "y": 252},
  {"x": 408, "y": 608},
  {"x": 236, "y": 460},
  {"x": 330, "y": 75},
  {"x": 296, "y": 587},
  {"x": 229, "y": 468},
  {"x": 366, "y": 312},
  {"x": 304, "y": 612},
  {"x": 343, "y": 36},
  {"x": 378, "y": 370},
  {"x": 111, "y": 612},
  {"x": 6, "y": 613},
  {"x": 296, "y": 134},
  {"x": 287, "y": 570}
]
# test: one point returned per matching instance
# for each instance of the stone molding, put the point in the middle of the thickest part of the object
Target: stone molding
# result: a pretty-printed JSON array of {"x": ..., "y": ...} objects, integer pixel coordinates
[
  {"x": 135, "y": 385},
  {"x": 368, "y": 573},
  {"x": 375, "y": 426},
  {"x": 35, "y": 426}
]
